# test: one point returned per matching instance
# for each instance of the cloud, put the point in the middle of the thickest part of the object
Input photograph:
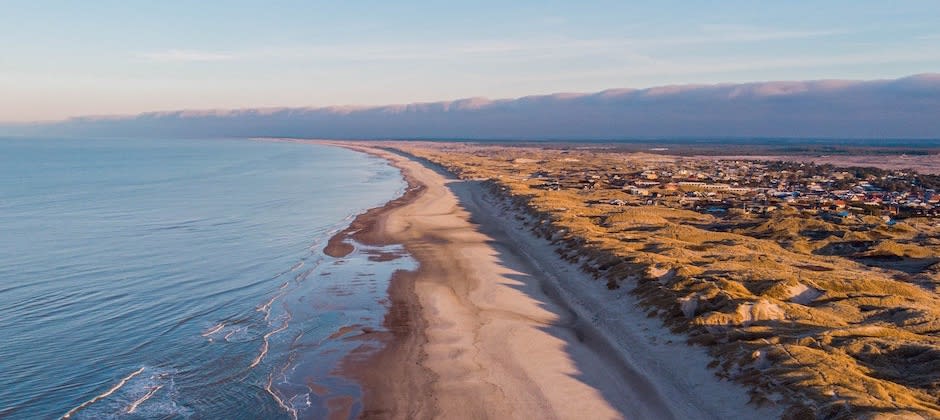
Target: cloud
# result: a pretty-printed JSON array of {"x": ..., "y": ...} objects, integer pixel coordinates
[
  {"x": 497, "y": 49},
  {"x": 641, "y": 66},
  {"x": 185, "y": 56},
  {"x": 901, "y": 108},
  {"x": 728, "y": 33},
  {"x": 553, "y": 20}
]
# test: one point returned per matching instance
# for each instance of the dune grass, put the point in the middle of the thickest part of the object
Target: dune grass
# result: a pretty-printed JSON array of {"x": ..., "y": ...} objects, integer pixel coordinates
[{"x": 831, "y": 320}]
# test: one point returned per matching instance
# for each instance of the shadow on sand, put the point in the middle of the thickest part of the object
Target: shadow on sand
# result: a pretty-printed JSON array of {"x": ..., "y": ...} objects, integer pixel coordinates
[{"x": 599, "y": 363}]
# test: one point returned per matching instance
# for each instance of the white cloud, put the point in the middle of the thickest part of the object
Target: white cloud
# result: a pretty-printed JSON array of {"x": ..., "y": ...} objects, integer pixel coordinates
[
  {"x": 497, "y": 49},
  {"x": 853, "y": 109},
  {"x": 185, "y": 56},
  {"x": 685, "y": 69}
]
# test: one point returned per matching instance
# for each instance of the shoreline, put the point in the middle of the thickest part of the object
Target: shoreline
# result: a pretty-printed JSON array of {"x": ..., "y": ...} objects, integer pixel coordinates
[
  {"x": 383, "y": 373},
  {"x": 486, "y": 327}
]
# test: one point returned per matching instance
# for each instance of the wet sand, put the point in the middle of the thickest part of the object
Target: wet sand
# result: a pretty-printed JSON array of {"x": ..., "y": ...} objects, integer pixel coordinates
[
  {"x": 481, "y": 330},
  {"x": 395, "y": 383}
]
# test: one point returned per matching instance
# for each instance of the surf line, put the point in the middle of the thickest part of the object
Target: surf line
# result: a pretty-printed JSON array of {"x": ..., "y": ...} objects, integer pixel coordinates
[
  {"x": 277, "y": 398},
  {"x": 265, "y": 308},
  {"x": 102, "y": 396},
  {"x": 302, "y": 276},
  {"x": 133, "y": 407},
  {"x": 230, "y": 333},
  {"x": 214, "y": 329},
  {"x": 265, "y": 339}
]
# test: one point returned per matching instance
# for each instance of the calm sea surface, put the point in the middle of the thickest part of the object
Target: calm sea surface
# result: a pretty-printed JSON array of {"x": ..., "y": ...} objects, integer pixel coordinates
[{"x": 174, "y": 279}]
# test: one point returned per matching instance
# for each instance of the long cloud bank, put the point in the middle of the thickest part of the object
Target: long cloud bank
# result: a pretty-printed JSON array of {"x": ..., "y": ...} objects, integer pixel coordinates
[{"x": 902, "y": 108}]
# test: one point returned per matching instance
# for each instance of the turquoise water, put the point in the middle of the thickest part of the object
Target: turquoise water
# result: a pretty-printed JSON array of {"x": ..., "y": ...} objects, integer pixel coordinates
[{"x": 182, "y": 278}]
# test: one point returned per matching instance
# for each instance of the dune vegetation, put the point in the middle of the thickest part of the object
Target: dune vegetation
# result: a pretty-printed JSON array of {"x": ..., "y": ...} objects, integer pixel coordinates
[{"x": 829, "y": 319}]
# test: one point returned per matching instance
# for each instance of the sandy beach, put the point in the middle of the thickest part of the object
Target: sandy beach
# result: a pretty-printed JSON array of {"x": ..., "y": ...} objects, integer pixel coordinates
[{"x": 494, "y": 325}]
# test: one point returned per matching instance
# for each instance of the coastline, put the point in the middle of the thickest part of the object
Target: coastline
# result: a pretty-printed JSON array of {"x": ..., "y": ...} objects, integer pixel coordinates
[
  {"x": 489, "y": 327},
  {"x": 392, "y": 375}
]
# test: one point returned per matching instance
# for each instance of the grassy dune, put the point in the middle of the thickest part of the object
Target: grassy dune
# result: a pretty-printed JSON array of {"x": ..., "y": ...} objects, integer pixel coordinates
[{"x": 831, "y": 320}]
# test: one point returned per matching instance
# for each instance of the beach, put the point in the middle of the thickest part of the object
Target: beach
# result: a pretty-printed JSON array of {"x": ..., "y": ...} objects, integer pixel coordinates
[{"x": 493, "y": 324}]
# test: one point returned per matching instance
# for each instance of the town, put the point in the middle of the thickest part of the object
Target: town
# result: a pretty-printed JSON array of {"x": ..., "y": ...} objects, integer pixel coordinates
[
  {"x": 783, "y": 269},
  {"x": 758, "y": 187}
]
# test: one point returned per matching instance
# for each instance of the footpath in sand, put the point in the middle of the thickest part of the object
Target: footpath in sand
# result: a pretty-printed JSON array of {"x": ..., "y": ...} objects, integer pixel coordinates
[{"x": 490, "y": 331}]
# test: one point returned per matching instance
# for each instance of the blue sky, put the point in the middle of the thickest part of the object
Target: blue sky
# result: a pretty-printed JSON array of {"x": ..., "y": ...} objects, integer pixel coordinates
[{"x": 66, "y": 58}]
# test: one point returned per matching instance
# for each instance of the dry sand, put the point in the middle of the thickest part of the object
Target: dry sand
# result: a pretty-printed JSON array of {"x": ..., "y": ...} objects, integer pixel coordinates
[{"x": 494, "y": 325}]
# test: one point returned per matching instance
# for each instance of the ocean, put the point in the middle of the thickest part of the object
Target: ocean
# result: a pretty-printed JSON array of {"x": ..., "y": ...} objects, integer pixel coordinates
[{"x": 184, "y": 278}]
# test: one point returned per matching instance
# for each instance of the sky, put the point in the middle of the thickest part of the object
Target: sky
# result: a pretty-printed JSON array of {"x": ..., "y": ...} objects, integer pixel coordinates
[{"x": 62, "y": 58}]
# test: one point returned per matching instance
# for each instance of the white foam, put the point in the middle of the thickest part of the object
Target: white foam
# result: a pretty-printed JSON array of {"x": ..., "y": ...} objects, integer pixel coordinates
[
  {"x": 133, "y": 407},
  {"x": 214, "y": 329},
  {"x": 302, "y": 276},
  {"x": 103, "y": 395},
  {"x": 265, "y": 341},
  {"x": 277, "y": 398},
  {"x": 266, "y": 307}
]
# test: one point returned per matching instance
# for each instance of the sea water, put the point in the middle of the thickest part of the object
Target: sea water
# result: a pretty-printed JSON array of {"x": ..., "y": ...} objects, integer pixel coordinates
[{"x": 183, "y": 278}]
